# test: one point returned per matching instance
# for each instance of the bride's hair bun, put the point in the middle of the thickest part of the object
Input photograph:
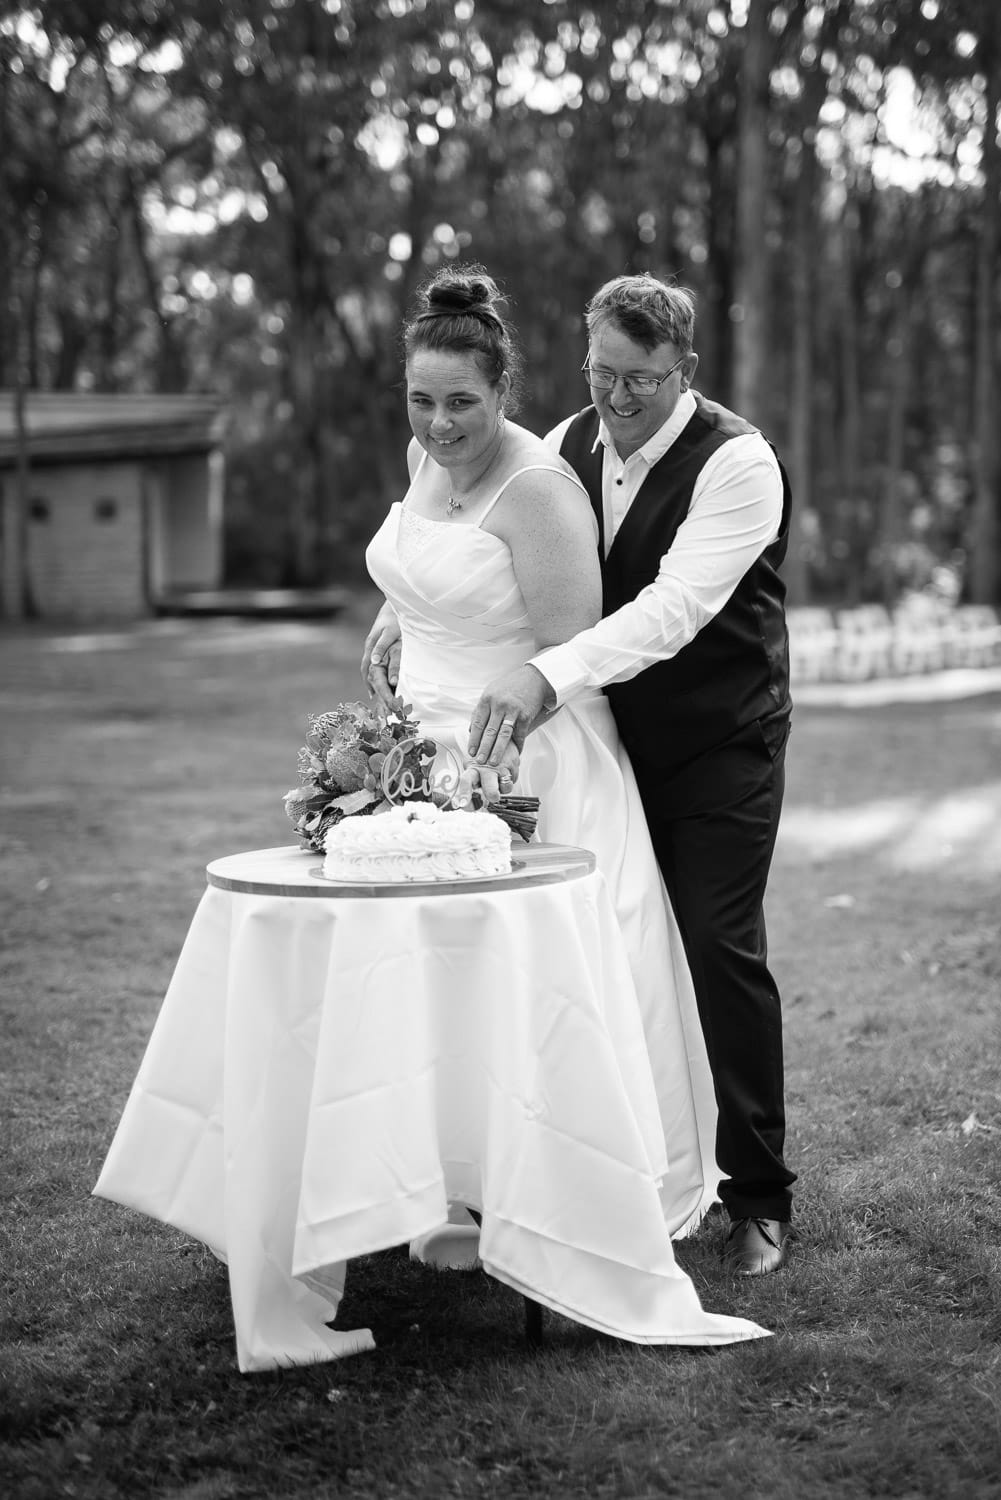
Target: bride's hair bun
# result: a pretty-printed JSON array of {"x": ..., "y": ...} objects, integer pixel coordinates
[
  {"x": 453, "y": 292},
  {"x": 458, "y": 312}
]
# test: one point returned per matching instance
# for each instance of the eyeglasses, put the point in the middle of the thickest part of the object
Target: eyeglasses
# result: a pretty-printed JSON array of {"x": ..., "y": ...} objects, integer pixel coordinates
[{"x": 636, "y": 385}]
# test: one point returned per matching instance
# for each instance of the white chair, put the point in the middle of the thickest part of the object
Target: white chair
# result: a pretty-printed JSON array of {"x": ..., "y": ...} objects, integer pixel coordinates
[
  {"x": 865, "y": 642},
  {"x": 813, "y": 644},
  {"x": 975, "y": 639},
  {"x": 921, "y": 632}
]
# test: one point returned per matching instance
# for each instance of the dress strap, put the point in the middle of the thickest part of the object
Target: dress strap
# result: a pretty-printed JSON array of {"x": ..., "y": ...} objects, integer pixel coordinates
[
  {"x": 528, "y": 469},
  {"x": 420, "y": 464}
]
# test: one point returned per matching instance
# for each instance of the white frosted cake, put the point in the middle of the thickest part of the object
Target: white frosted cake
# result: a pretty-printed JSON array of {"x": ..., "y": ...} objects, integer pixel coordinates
[{"x": 417, "y": 841}]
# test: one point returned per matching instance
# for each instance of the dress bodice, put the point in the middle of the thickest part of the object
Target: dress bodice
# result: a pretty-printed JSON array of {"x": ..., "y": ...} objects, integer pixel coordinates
[{"x": 463, "y": 617}]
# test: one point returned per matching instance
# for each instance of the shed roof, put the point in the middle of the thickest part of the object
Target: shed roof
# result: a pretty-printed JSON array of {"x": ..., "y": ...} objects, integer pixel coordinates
[{"x": 63, "y": 426}]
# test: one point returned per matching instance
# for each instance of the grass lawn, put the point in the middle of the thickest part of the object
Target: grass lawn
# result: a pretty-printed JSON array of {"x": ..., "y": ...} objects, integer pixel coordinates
[{"x": 132, "y": 758}]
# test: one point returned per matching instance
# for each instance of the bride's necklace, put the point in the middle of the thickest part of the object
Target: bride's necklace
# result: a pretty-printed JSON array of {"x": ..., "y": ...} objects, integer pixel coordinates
[{"x": 455, "y": 502}]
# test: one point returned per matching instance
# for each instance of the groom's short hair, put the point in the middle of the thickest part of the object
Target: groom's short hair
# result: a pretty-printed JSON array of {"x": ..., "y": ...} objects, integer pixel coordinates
[{"x": 648, "y": 311}]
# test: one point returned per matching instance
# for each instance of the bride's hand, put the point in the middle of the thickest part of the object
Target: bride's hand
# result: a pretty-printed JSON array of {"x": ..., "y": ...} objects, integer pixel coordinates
[
  {"x": 380, "y": 662},
  {"x": 493, "y": 782}
]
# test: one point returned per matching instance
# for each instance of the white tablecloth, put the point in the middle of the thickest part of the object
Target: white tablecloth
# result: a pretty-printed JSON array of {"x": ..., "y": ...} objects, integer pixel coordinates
[{"x": 326, "y": 1076}]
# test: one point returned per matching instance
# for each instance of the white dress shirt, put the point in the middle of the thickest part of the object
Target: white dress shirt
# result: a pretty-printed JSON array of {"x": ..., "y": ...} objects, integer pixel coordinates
[{"x": 736, "y": 512}]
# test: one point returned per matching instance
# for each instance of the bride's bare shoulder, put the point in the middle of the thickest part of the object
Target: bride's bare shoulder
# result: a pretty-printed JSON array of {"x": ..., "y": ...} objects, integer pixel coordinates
[
  {"x": 542, "y": 503},
  {"x": 542, "y": 462}
]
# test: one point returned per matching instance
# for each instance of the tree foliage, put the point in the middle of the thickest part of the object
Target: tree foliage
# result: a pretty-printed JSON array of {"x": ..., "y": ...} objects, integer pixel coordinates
[{"x": 201, "y": 195}]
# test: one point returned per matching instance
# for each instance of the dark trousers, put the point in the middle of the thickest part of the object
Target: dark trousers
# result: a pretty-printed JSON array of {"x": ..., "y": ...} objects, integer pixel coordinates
[{"x": 713, "y": 825}]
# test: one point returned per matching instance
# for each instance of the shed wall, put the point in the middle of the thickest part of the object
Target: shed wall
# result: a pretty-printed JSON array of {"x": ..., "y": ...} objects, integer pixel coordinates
[{"x": 85, "y": 541}]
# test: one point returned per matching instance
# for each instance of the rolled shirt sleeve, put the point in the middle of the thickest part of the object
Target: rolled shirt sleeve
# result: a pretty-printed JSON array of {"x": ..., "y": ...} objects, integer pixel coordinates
[{"x": 736, "y": 512}]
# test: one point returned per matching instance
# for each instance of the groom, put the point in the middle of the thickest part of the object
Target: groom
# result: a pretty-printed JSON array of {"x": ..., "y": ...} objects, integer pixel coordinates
[{"x": 693, "y": 517}]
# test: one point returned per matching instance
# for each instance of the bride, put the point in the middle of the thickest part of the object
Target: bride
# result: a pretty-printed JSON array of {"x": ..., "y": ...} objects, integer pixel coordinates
[{"x": 490, "y": 557}]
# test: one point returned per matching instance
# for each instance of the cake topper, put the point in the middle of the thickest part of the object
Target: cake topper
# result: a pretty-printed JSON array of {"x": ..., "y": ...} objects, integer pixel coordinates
[{"x": 412, "y": 771}]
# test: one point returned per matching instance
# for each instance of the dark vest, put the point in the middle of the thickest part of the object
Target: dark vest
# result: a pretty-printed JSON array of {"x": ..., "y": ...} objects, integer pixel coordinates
[{"x": 736, "y": 669}]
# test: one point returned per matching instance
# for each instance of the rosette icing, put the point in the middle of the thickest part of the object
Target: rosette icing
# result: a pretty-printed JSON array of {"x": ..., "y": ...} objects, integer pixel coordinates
[{"x": 418, "y": 841}]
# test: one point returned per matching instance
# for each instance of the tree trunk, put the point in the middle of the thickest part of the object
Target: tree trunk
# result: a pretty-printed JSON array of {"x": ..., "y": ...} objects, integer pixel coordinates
[
  {"x": 305, "y": 483},
  {"x": 8, "y": 236},
  {"x": 714, "y": 339},
  {"x": 15, "y": 265},
  {"x": 31, "y": 303},
  {"x": 16, "y": 591},
  {"x": 751, "y": 299},
  {"x": 70, "y": 347},
  {"x": 985, "y": 538},
  {"x": 170, "y": 360},
  {"x": 850, "y": 437},
  {"x": 800, "y": 459},
  {"x": 891, "y": 528},
  {"x": 107, "y": 333}
]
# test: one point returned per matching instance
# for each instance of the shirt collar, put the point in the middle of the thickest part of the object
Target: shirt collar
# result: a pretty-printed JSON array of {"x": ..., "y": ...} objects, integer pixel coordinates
[{"x": 657, "y": 445}]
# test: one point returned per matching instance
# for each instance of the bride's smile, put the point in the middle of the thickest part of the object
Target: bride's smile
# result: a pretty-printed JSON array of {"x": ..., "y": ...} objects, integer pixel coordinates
[{"x": 455, "y": 412}]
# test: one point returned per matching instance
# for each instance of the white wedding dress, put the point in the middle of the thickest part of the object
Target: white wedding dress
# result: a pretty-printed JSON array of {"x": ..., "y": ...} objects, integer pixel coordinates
[{"x": 464, "y": 623}]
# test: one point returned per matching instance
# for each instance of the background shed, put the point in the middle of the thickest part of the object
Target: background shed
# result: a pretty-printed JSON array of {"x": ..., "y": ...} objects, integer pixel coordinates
[{"x": 122, "y": 502}]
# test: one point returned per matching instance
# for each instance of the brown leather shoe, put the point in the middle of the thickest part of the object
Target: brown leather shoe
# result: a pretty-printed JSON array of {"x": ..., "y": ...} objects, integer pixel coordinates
[{"x": 755, "y": 1247}]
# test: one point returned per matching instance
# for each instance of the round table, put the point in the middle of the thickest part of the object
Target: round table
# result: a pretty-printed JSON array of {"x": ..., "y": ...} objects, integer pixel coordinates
[{"x": 334, "y": 1066}]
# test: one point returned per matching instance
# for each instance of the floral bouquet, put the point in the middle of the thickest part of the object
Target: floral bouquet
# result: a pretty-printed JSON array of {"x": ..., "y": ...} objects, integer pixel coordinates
[{"x": 360, "y": 759}]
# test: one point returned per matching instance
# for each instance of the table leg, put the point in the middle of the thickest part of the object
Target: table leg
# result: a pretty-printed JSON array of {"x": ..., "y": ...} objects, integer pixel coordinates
[
  {"x": 533, "y": 1310},
  {"x": 533, "y": 1323}
]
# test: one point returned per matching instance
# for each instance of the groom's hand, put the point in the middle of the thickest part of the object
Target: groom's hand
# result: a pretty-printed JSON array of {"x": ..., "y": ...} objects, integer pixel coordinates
[{"x": 506, "y": 712}]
